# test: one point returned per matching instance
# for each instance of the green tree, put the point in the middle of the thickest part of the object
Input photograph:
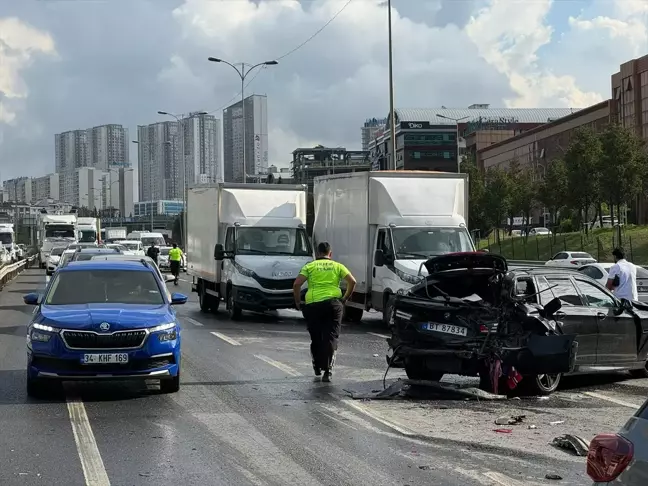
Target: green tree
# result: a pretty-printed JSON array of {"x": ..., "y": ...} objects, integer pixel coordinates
[
  {"x": 621, "y": 168},
  {"x": 514, "y": 173},
  {"x": 583, "y": 158},
  {"x": 552, "y": 190},
  {"x": 524, "y": 193},
  {"x": 477, "y": 218},
  {"x": 497, "y": 196}
]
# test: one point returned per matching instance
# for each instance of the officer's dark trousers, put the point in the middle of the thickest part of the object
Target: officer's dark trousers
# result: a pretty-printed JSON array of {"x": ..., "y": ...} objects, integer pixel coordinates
[{"x": 324, "y": 320}]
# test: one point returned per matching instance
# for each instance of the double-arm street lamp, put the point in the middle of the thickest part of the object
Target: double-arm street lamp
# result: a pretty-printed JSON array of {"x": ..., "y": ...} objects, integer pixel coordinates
[
  {"x": 180, "y": 119},
  {"x": 243, "y": 72},
  {"x": 456, "y": 120}
]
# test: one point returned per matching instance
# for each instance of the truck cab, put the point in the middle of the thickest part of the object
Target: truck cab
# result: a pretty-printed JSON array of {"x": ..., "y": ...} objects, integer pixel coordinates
[{"x": 87, "y": 230}]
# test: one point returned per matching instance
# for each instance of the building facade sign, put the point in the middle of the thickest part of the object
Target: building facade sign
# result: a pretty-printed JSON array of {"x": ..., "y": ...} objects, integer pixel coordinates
[
  {"x": 491, "y": 123},
  {"x": 421, "y": 125}
]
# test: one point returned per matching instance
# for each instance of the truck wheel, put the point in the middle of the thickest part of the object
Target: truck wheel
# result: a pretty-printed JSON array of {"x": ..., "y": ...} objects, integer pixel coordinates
[
  {"x": 203, "y": 298},
  {"x": 353, "y": 314},
  {"x": 417, "y": 369},
  {"x": 388, "y": 310},
  {"x": 233, "y": 310}
]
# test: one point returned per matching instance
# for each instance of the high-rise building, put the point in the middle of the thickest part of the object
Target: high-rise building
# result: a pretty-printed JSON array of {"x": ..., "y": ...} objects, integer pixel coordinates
[
  {"x": 45, "y": 187},
  {"x": 370, "y": 129},
  {"x": 18, "y": 190},
  {"x": 108, "y": 146},
  {"x": 120, "y": 190},
  {"x": 159, "y": 165},
  {"x": 203, "y": 149},
  {"x": 256, "y": 138},
  {"x": 71, "y": 150}
]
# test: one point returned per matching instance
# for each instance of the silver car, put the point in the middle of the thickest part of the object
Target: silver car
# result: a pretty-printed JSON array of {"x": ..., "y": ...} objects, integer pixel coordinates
[{"x": 621, "y": 459}]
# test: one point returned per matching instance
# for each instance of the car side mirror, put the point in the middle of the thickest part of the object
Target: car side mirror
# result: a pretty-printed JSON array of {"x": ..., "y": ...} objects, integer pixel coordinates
[
  {"x": 624, "y": 305},
  {"x": 483, "y": 250},
  {"x": 31, "y": 299},
  {"x": 178, "y": 299},
  {"x": 379, "y": 258},
  {"x": 552, "y": 307},
  {"x": 219, "y": 252}
]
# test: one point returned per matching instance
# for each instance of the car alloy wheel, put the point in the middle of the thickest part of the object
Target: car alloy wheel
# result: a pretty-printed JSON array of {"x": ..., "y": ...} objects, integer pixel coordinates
[{"x": 544, "y": 384}]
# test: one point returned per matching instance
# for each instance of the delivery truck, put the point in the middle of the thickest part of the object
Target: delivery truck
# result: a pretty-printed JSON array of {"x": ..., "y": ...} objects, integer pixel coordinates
[
  {"x": 55, "y": 230},
  {"x": 246, "y": 245},
  {"x": 87, "y": 230},
  {"x": 384, "y": 225}
]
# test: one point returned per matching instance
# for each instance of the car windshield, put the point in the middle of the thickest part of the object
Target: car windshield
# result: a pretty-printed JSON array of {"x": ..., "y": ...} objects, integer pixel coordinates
[
  {"x": 131, "y": 246},
  {"x": 104, "y": 286},
  {"x": 422, "y": 243},
  {"x": 60, "y": 231},
  {"x": 87, "y": 235},
  {"x": 58, "y": 251},
  {"x": 272, "y": 241},
  {"x": 6, "y": 238},
  {"x": 149, "y": 240},
  {"x": 582, "y": 255},
  {"x": 117, "y": 247},
  {"x": 66, "y": 258}
]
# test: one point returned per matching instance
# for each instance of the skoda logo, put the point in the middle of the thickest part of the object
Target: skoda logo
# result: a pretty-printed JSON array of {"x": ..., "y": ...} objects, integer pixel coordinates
[{"x": 104, "y": 326}]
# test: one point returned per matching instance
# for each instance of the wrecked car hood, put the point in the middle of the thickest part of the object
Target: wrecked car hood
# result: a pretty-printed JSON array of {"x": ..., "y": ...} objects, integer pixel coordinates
[{"x": 466, "y": 260}]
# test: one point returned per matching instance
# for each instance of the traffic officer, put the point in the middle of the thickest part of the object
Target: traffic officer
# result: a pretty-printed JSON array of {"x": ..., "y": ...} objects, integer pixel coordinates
[
  {"x": 324, "y": 306},
  {"x": 175, "y": 258}
]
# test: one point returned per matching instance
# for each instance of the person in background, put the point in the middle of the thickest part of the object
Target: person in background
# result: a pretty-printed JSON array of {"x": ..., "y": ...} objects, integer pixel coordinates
[
  {"x": 153, "y": 252},
  {"x": 175, "y": 260},
  {"x": 324, "y": 306},
  {"x": 622, "y": 278}
]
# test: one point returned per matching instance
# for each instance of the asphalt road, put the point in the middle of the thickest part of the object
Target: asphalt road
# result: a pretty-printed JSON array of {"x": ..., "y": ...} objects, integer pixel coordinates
[{"x": 250, "y": 413}]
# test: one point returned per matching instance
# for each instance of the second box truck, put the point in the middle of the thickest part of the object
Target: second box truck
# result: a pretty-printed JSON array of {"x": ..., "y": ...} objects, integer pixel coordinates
[{"x": 246, "y": 245}]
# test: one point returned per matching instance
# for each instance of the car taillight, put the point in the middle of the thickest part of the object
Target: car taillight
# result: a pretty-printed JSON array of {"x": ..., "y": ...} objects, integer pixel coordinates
[
  {"x": 608, "y": 456},
  {"x": 483, "y": 328}
]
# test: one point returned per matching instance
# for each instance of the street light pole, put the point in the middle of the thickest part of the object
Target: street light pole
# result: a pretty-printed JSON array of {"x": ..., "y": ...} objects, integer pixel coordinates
[
  {"x": 392, "y": 121},
  {"x": 456, "y": 120},
  {"x": 243, "y": 74}
]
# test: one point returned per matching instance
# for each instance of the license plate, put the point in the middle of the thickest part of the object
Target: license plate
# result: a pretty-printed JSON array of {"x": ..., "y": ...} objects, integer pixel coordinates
[
  {"x": 446, "y": 328},
  {"x": 105, "y": 358},
  {"x": 642, "y": 289}
]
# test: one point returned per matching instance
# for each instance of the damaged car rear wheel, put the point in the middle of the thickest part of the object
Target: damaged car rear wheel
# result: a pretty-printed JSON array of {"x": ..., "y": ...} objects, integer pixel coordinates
[{"x": 541, "y": 385}]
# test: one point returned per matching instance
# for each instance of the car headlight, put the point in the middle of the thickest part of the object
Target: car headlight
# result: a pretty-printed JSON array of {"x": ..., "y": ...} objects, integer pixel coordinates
[
  {"x": 244, "y": 271},
  {"x": 42, "y": 327},
  {"x": 167, "y": 331},
  {"x": 40, "y": 337},
  {"x": 41, "y": 333},
  {"x": 406, "y": 277}
]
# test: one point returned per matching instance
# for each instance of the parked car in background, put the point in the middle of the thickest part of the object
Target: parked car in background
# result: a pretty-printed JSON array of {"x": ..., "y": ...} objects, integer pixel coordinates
[
  {"x": 118, "y": 247},
  {"x": 600, "y": 272},
  {"x": 621, "y": 458},
  {"x": 572, "y": 259},
  {"x": 66, "y": 257},
  {"x": 134, "y": 247},
  {"x": 539, "y": 231},
  {"x": 53, "y": 259}
]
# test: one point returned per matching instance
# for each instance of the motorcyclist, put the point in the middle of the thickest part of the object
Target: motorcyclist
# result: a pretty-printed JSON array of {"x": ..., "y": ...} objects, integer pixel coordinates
[{"x": 175, "y": 260}]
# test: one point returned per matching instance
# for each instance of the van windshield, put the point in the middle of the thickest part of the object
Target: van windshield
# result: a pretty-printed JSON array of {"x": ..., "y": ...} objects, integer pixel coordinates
[
  {"x": 423, "y": 243},
  {"x": 272, "y": 241},
  {"x": 149, "y": 240}
]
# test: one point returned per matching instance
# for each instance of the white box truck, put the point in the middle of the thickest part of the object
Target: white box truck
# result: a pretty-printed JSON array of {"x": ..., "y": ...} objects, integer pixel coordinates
[
  {"x": 55, "y": 230},
  {"x": 87, "y": 230},
  {"x": 384, "y": 225},
  {"x": 246, "y": 245}
]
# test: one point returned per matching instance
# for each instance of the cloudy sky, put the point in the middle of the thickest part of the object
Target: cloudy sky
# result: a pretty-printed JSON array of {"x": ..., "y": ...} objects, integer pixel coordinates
[{"x": 69, "y": 64}]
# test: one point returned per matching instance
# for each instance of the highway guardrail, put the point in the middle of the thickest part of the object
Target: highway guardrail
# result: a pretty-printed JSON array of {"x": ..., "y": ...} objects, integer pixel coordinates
[{"x": 9, "y": 272}]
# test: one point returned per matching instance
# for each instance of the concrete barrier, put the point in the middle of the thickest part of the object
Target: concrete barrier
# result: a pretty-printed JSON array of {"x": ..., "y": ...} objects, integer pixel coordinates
[{"x": 9, "y": 272}]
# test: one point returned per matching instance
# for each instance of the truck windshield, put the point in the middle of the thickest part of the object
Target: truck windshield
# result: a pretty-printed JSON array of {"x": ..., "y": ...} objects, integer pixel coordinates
[
  {"x": 149, "y": 240},
  {"x": 422, "y": 243},
  {"x": 6, "y": 238},
  {"x": 272, "y": 241},
  {"x": 87, "y": 236},
  {"x": 59, "y": 231}
]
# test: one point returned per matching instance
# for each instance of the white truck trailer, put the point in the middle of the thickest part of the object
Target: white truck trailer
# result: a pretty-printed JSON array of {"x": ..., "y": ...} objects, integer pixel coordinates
[
  {"x": 115, "y": 233},
  {"x": 246, "y": 245},
  {"x": 88, "y": 230},
  {"x": 55, "y": 230},
  {"x": 384, "y": 225},
  {"x": 8, "y": 239}
]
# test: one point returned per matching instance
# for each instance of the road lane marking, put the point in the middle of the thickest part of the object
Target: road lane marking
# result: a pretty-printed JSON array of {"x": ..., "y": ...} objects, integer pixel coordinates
[
  {"x": 227, "y": 339},
  {"x": 382, "y": 336},
  {"x": 94, "y": 470},
  {"x": 612, "y": 400},
  {"x": 500, "y": 478},
  {"x": 283, "y": 367},
  {"x": 362, "y": 409},
  {"x": 338, "y": 420},
  {"x": 193, "y": 321}
]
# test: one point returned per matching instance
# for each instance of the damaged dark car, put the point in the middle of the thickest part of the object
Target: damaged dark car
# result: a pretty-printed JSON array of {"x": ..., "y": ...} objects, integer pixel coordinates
[{"x": 466, "y": 318}]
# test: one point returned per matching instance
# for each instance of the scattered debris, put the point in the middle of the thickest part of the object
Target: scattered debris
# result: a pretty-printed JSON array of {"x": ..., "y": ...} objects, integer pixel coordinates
[
  {"x": 557, "y": 422},
  {"x": 425, "y": 468},
  {"x": 571, "y": 443},
  {"x": 503, "y": 431},
  {"x": 426, "y": 390},
  {"x": 531, "y": 427},
  {"x": 514, "y": 420},
  {"x": 554, "y": 477},
  {"x": 375, "y": 355}
]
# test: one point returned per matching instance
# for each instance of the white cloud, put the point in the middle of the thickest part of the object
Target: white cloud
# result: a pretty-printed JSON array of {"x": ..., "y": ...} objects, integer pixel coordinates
[{"x": 18, "y": 43}]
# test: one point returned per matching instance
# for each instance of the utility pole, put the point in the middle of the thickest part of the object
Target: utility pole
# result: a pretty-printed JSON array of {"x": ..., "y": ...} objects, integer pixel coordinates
[{"x": 392, "y": 121}]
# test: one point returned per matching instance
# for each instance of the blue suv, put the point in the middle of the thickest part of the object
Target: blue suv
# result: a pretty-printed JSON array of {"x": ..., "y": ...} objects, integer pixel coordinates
[{"x": 102, "y": 320}]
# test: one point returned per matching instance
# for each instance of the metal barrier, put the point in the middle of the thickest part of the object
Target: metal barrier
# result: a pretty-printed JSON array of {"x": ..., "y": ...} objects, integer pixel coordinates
[{"x": 9, "y": 272}]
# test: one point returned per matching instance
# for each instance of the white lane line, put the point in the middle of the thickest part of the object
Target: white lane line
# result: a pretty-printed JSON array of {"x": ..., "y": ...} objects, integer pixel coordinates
[
  {"x": 338, "y": 420},
  {"x": 612, "y": 400},
  {"x": 500, "y": 478},
  {"x": 183, "y": 280},
  {"x": 362, "y": 409},
  {"x": 382, "y": 336},
  {"x": 227, "y": 339},
  {"x": 94, "y": 470},
  {"x": 283, "y": 367},
  {"x": 192, "y": 321}
]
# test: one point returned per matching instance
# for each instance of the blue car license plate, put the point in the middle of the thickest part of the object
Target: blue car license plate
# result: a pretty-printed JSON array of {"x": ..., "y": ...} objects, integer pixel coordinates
[{"x": 105, "y": 358}]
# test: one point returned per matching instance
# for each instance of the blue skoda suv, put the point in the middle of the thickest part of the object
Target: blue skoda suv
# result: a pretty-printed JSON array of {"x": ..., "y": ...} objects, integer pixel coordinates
[{"x": 102, "y": 320}]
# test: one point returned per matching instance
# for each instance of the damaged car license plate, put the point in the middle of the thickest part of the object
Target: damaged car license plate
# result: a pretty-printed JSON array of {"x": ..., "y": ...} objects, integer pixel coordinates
[{"x": 446, "y": 328}]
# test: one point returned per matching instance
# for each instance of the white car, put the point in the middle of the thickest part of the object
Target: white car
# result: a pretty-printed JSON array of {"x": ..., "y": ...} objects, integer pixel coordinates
[
  {"x": 539, "y": 231},
  {"x": 600, "y": 271},
  {"x": 134, "y": 247},
  {"x": 163, "y": 258},
  {"x": 571, "y": 259},
  {"x": 105, "y": 257},
  {"x": 53, "y": 260}
]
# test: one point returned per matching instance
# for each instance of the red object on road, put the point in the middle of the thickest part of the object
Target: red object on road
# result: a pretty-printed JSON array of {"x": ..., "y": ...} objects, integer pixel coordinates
[
  {"x": 503, "y": 431},
  {"x": 609, "y": 455}
]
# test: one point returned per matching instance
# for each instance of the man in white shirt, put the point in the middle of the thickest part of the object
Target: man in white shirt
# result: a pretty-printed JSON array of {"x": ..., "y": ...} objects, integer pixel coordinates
[{"x": 623, "y": 277}]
